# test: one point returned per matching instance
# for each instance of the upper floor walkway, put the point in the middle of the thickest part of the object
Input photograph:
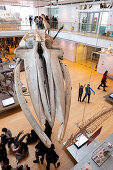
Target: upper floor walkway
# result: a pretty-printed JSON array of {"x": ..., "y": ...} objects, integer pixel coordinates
[{"x": 91, "y": 39}]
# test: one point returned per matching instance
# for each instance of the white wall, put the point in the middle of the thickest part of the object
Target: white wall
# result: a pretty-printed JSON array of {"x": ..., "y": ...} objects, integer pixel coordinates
[
  {"x": 39, "y": 11},
  {"x": 105, "y": 63},
  {"x": 69, "y": 16},
  {"x": 24, "y": 11},
  {"x": 68, "y": 48},
  {"x": 110, "y": 21},
  {"x": 68, "y": 13}
]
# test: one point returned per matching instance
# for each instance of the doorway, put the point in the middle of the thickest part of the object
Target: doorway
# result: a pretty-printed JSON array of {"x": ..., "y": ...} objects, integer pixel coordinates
[{"x": 89, "y": 21}]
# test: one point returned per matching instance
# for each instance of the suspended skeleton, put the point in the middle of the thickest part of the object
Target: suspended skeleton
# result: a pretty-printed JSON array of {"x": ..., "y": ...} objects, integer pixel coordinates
[
  {"x": 90, "y": 125},
  {"x": 48, "y": 83}
]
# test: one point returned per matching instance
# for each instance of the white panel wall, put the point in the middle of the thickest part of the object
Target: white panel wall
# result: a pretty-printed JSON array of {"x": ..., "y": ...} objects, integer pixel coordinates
[
  {"x": 69, "y": 16},
  {"x": 69, "y": 13},
  {"x": 39, "y": 11},
  {"x": 68, "y": 48},
  {"x": 105, "y": 63},
  {"x": 24, "y": 11},
  {"x": 110, "y": 21}
]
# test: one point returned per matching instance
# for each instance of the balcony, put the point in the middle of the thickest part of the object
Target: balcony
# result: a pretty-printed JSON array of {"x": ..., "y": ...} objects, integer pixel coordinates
[{"x": 85, "y": 33}]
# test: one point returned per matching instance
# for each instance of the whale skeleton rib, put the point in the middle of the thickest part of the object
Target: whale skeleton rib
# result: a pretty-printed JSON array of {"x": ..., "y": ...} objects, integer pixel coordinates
[
  {"x": 67, "y": 96},
  {"x": 26, "y": 109},
  {"x": 48, "y": 82}
]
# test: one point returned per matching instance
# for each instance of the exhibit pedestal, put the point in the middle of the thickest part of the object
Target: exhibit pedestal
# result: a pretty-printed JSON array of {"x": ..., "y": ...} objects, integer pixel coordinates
[{"x": 106, "y": 165}]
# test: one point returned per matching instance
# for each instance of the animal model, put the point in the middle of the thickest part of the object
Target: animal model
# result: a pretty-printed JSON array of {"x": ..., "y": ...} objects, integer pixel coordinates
[{"x": 46, "y": 24}]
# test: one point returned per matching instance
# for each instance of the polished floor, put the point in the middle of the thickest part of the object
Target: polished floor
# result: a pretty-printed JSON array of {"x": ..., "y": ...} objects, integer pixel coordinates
[{"x": 16, "y": 121}]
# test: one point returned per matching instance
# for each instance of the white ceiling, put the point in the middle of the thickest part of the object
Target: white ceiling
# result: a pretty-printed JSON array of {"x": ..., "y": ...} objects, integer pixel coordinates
[{"x": 38, "y": 2}]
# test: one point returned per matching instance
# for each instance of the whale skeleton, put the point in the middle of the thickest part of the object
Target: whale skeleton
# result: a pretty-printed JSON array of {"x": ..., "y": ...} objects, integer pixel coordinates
[{"x": 48, "y": 82}]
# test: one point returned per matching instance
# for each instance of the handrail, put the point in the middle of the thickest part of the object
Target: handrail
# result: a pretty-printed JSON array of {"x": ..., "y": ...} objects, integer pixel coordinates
[
  {"x": 17, "y": 22},
  {"x": 84, "y": 28}
]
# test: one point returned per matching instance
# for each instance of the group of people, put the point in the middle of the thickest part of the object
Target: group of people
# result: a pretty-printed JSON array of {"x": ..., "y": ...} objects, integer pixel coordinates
[
  {"x": 16, "y": 146},
  {"x": 88, "y": 89},
  {"x": 19, "y": 148},
  {"x": 42, "y": 150},
  {"x": 53, "y": 22}
]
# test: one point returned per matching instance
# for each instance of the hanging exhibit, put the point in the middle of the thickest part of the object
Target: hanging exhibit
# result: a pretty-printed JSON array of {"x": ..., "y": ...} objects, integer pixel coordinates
[{"x": 48, "y": 82}]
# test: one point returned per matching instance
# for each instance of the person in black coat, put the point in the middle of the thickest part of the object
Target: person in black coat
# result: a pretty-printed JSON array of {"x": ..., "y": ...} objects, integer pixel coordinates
[
  {"x": 48, "y": 130},
  {"x": 81, "y": 87},
  {"x": 3, "y": 152},
  {"x": 52, "y": 157},
  {"x": 32, "y": 137},
  {"x": 41, "y": 150},
  {"x": 30, "y": 20}
]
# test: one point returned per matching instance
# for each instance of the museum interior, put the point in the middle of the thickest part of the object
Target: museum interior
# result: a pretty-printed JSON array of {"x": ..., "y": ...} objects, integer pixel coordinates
[{"x": 56, "y": 84}]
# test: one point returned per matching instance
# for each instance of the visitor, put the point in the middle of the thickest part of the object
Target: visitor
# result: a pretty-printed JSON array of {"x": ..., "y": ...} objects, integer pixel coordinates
[
  {"x": 47, "y": 19},
  {"x": 103, "y": 81},
  {"x": 22, "y": 167},
  {"x": 17, "y": 141},
  {"x": 48, "y": 130},
  {"x": 30, "y": 20},
  {"x": 14, "y": 142},
  {"x": 55, "y": 23},
  {"x": 52, "y": 157},
  {"x": 6, "y": 136},
  {"x": 3, "y": 152},
  {"x": 81, "y": 87},
  {"x": 11, "y": 146},
  {"x": 88, "y": 90},
  {"x": 36, "y": 20},
  {"x": 32, "y": 137},
  {"x": 22, "y": 152},
  {"x": 5, "y": 164},
  {"x": 40, "y": 25},
  {"x": 41, "y": 150}
]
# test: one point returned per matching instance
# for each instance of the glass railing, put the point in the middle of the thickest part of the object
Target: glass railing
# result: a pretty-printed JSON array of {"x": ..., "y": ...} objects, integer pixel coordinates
[{"x": 87, "y": 29}]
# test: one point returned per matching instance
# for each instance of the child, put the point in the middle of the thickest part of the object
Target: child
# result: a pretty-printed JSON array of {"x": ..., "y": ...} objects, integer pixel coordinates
[{"x": 81, "y": 87}]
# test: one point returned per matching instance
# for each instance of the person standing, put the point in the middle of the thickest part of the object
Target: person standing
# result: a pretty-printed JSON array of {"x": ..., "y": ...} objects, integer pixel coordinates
[
  {"x": 103, "y": 81},
  {"x": 52, "y": 157},
  {"x": 81, "y": 87},
  {"x": 41, "y": 150},
  {"x": 88, "y": 90},
  {"x": 48, "y": 129},
  {"x": 6, "y": 136},
  {"x": 30, "y": 20}
]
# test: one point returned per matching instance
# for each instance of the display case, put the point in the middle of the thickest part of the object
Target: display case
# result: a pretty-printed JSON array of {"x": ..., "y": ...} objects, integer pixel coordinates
[{"x": 102, "y": 153}]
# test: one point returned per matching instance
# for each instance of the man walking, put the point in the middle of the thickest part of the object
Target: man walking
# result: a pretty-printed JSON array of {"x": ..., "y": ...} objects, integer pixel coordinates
[{"x": 88, "y": 90}]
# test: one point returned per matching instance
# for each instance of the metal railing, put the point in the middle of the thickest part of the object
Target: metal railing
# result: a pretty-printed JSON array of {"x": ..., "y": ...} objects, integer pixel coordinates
[{"x": 87, "y": 29}]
